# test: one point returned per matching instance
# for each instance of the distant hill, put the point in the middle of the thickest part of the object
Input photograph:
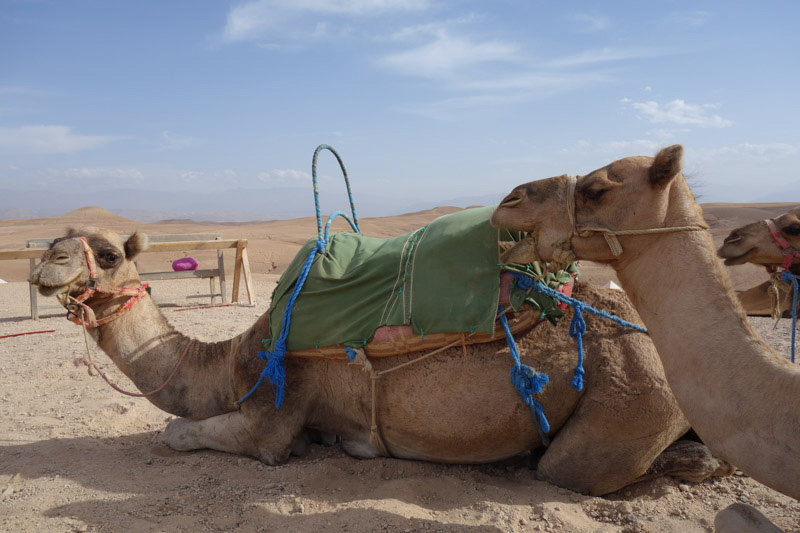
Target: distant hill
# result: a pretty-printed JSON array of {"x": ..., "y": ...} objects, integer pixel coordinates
[{"x": 234, "y": 205}]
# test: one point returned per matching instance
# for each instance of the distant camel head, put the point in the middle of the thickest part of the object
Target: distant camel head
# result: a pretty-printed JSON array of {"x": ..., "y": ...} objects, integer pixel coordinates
[
  {"x": 64, "y": 268},
  {"x": 754, "y": 244},
  {"x": 565, "y": 213}
]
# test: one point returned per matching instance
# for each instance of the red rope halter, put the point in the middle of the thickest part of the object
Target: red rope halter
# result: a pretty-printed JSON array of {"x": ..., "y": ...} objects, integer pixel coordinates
[
  {"x": 93, "y": 286},
  {"x": 789, "y": 251}
]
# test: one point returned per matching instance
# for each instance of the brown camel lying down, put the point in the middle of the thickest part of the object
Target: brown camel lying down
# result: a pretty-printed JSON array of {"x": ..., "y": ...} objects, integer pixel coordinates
[{"x": 457, "y": 407}]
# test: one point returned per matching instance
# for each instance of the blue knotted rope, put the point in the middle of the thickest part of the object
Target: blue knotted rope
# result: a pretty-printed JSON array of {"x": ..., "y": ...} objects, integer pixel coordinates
[
  {"x": 578, "y": 325},
  {"x": 527, "y": 382},
  {"x": 274, "y": 370},
  {"x": 788, "y": 276}
]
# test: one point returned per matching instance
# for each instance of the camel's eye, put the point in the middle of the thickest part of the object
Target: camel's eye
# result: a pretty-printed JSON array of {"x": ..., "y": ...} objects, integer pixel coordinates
[
  {"x": 109, "y": 258},
  {"x": 594, "y": 194},
  {"x": 792, "y": 229}
]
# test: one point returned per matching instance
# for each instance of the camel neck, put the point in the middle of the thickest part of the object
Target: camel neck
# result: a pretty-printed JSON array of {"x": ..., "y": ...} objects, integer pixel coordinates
[
  {"x": 146, "y": 348},
  {"x": 738, "y": 393}
]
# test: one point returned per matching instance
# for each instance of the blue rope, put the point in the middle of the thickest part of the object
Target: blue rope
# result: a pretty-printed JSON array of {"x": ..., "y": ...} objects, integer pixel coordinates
[
  {"x": 788, "y": 276},
  {"x": 578, "y": 325},
  {"x": 354, "y": 223},
  {"x": 274, "y": 370},
  {"x": 330, "y": 219},
  {"x": 527, "y": 382},
  {"x": 351, "y": 353}
]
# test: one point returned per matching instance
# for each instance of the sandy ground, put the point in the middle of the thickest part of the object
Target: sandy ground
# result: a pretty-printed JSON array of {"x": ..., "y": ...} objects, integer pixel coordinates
[{"x": 77, "y": 456}]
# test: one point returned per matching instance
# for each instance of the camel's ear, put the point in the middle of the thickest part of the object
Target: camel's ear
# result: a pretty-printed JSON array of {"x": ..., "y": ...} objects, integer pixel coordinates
[
  {"x": 136, "y": 244},
  {"x": 667, "y": 165}
]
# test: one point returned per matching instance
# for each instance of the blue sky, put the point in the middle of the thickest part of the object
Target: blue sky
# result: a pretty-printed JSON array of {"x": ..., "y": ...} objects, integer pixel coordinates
[{"x": 422, "y": 98}]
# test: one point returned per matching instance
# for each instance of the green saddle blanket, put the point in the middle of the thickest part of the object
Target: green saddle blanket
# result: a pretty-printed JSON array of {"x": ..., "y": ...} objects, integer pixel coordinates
[{"x": 441, "y": 278}]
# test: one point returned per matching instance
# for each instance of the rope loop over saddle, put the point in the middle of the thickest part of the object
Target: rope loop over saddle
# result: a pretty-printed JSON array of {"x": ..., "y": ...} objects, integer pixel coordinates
[{"x": 274, "y": 370}]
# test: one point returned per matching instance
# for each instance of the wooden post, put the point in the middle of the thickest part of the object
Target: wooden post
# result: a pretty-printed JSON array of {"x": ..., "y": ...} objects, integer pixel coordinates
[
  {"x": 34, "y": 293},
  {"x": 248, "y": 278},
  {"x": 237, "y": 272},
  {"x": 222, "y": 285}
]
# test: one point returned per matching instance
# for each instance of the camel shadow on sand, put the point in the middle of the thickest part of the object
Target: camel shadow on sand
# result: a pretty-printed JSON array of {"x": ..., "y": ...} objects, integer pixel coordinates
[{"x": 148, "y": 486}]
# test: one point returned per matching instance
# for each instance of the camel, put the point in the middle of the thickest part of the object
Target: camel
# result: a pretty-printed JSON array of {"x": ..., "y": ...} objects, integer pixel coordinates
[
  {"x": 457, "y": 407},
  {"x": 754, "y": 244},
  {"x": 639, "y": 216}
]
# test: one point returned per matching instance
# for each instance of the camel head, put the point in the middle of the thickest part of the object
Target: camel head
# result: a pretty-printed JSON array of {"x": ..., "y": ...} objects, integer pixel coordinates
[
  {"x": 564, "y": 214},
  {"x": 64, "y": 269},
  {"x": 754, "y": 244}
]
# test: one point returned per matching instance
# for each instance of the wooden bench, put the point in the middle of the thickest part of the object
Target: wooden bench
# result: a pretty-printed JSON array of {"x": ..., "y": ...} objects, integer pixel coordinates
[{"x": 166, "y": 243}]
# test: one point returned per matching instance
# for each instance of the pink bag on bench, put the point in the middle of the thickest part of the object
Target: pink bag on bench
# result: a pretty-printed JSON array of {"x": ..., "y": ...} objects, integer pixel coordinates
[{"x": 185, "y": 263}]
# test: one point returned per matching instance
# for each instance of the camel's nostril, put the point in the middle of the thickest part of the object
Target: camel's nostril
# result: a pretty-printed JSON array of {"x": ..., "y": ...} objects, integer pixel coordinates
[
  {"x": 511, "y": 200},
  {"x": 732, "y": 239}
]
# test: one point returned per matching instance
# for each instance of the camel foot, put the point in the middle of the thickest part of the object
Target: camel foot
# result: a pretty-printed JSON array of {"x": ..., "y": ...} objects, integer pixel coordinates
[
  {"x": 741, "y": 518},
  {"x": 360, "y": 449},
  {"x": 226, "y": 433},
  {"x": 688, "y": 460}
]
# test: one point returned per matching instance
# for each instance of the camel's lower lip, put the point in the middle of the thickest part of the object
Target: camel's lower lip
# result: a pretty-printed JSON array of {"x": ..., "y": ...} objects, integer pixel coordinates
[
  {"x": 739, "y": 259},
  {"x": 52, "y": 291}
]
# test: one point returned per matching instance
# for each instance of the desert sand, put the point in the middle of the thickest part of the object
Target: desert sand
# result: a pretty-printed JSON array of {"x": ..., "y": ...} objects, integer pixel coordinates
[{"x": 77, "y": 456}]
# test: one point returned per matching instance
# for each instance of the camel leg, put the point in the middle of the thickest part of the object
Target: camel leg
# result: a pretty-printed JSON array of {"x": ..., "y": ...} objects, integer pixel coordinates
[
  {"x": 232, "y": 433},
  {"x": 612, "y": 437},
  {"x": 585, "y": 458},
  {"x": 690, "y": 460}
]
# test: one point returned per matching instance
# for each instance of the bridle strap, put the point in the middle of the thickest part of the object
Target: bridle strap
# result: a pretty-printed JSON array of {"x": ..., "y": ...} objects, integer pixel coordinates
[
  {"x": 789, "y": 251},
  {"x": 93, "y": 286},
  {"x": 585, "y": 230}
]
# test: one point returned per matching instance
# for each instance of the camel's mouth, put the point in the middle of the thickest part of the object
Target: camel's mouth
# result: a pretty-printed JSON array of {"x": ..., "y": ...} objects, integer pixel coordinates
[
  {"x": 54, "y": 287},
  {"x": 45, "y": 290},
  {"x": 738, "y": 259}
]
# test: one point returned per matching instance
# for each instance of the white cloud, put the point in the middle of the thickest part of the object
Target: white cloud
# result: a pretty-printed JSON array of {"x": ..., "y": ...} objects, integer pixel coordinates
[
  {"x": 11, "y": 90},
  {"x": 603, "y": 55},
  {"x": 590, "y": 22},
  {"x": 283, "y": 176},
  {"x": 170, "y": 141},
  {"x": 679, "y": 112},
  {"x": 48, "y": 140},
  {"x": 252, "y": 20},
  {"x": 768, "y": 150},
  {"x": 502, "y": 91},
  {"x": 666, "y": 134},
  {"x": 447, "y": 54},
  {"x": 190, "y": 176},
  {"x": 634, "y": 147},
  {"x": 692, "y": 19},
  {"x": 118, "y": 175}
]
